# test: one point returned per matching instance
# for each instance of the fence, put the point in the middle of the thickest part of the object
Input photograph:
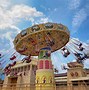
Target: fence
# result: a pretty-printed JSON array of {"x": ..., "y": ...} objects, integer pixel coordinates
[{"x": 40, "y": 87}]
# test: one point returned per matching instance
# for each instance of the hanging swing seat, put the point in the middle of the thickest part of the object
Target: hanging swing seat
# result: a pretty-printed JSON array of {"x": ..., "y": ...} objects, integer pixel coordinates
[
  {"x": 0, "y": 55},
  {"x": 14, "y": 63},
  {"x": 13, "y": 57},
  {"x": 65, "y": 52},
  {"x": 81, "y": 48},
  {"x": 55, "y": 70},
  {"x": 28, "y": 61},
  {"x": 64, "y": 68}
]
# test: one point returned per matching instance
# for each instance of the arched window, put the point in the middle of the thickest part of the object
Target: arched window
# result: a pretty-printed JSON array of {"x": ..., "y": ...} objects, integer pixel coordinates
[
  {"x": 41, "y": 64},
  {"x": 50, "y": 80},
  {"x": 37, "y": 80},
  {"x": 46, "y": 64},
  {"x": 44, "y": 80}
]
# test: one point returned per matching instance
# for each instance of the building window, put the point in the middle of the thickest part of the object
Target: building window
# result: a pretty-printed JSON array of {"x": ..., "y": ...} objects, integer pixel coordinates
[
  {"x": 32, "y": 67},
  {"x": 18, "y": 69},
  {"x": 21, "y": 69},
  {"x": 35, "y": 68},
  {"x": 25, "y": 68},
  {"x": 15, "y": 69},
  {"x": 12, "y": 70},
  {"x": 29, "y": 67},
  {"x": 75, "y": 83},
  {"x": 46, "y": 64},
  {"x": 40, "y": 64}
]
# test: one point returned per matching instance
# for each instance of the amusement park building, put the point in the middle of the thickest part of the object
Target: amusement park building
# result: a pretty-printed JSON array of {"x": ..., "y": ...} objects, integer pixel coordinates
[{"x": 23, "y": 75}]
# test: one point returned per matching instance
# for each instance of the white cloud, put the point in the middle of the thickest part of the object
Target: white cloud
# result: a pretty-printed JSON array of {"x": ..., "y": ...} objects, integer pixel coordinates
[
  {"x": 80, "y": 16},
  {"x": 87, "y": 41},
  {"x": 14, "y": 15},
  {"x": 55, "y": 9},
  {"x": 5, "y": 26},
  {"x": 7, "y": 35},
  {"x": 78, "y": 19},
  {"x": 44, "y": 20},
  {"x": 74, "y": 4},
  {"x": 22, "y": 11},
  {"x": 11, "y": 16},
  {"x": 41, "y": 20},
  {"x": 4, "y": 3}
]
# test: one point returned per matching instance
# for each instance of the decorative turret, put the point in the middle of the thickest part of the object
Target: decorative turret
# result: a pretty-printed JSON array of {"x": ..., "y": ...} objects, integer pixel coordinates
[
  {"x": 75, "y": 70},
  {"x": 45, "y": 73}
]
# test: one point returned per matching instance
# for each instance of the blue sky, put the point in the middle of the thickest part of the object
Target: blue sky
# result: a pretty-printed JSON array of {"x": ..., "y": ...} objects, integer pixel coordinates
[{"x": 16, "y": 15}]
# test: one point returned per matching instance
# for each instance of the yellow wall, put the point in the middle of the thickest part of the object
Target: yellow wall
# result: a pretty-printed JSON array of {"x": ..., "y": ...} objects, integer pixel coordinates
[{"x": 47, "y": 74}]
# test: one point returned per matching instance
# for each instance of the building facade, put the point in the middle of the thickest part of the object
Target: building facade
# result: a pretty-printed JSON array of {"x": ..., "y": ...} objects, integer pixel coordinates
[{"x": 23, "y": 77}]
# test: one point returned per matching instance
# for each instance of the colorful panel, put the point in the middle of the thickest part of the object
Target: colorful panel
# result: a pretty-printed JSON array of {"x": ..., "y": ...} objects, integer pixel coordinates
[{"x": 41, "y": 54}]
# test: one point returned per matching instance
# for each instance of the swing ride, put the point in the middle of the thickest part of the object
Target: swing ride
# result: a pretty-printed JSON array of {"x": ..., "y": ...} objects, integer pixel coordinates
[{"x": 30, "y": 41}]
